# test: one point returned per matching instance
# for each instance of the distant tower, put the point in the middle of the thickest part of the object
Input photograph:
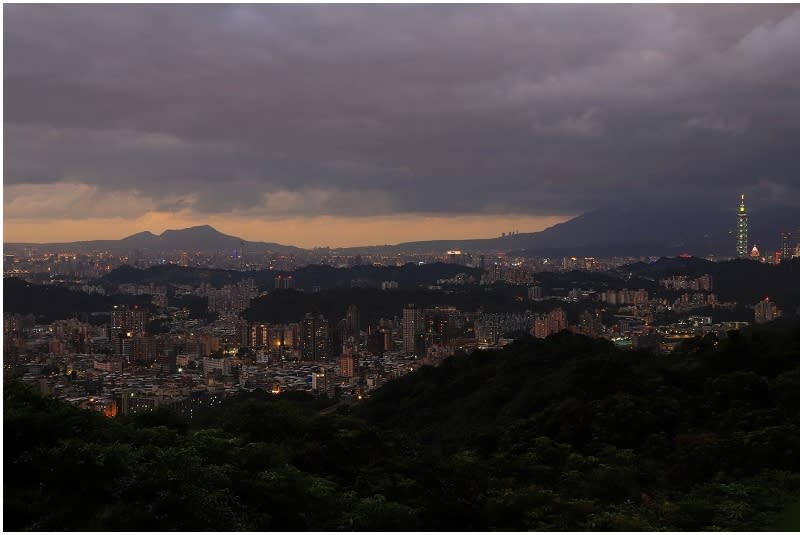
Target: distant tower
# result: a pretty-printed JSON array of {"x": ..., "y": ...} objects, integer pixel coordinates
[{"x": 741, "y": 231}]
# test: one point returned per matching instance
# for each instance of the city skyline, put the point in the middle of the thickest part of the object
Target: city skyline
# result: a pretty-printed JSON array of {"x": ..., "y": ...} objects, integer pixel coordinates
[{"x": 356, "y": 125}]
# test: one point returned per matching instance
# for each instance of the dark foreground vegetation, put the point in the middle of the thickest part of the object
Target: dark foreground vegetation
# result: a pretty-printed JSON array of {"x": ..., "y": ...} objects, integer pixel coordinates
[{"x": 563, "y": 434}]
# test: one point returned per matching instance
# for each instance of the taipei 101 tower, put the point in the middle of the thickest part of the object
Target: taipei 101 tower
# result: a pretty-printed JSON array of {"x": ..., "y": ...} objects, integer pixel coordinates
[{"x": 741, "y": 231}]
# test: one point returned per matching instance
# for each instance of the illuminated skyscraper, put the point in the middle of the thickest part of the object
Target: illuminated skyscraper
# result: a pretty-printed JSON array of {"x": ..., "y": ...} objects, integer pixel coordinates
[
  {"x": 352, "y": 324},
  {"x": 413, "y": 324},
  {"x": 557, "y": 320},
  {"x": 741, "y": 231},
  {"x": 314, "y": 336},
  {"x": 765, "y": 311},
  {"x": 786, "y": 252}
]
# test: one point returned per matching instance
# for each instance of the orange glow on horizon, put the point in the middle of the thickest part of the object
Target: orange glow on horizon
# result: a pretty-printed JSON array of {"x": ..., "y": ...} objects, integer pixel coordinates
[{"x": 322, "y": 231}]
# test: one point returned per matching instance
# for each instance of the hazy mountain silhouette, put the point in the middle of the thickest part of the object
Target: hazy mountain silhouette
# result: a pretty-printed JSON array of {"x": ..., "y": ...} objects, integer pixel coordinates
[
  {"x": 643, "y": 230},
  {"x": 203, "y": 237}
]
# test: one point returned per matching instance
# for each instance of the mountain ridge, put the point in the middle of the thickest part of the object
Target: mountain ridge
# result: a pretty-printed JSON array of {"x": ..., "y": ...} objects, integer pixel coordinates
[
  {"x": 624, "y": 231},
  {"x": 199, "y": 237}
]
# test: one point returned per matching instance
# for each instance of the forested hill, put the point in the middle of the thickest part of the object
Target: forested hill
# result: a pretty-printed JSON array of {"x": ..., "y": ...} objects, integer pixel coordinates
[
  {"x": 305, "y": 278},
  {"x": 743, "y": 281},
  {"x": 562, "y": 434},
  {"x": 558, "y": 430},
  {"x": 50, "y": 303},
  {"x": 560, "y": 387}
]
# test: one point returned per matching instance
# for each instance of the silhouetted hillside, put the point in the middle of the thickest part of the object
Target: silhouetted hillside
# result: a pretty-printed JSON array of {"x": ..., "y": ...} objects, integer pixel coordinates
[
  {"x": 200, "y": 238},
  {"x": 629, "y": 231},
  {"x": 305, "y": 278},
  {"x": 204, "y": 237},
  {"x": 744, "y": 281},
  {"x": 172, "y": 273},
  {"x": 282, "y": 306},
  {"x": 50, "y": 303}
]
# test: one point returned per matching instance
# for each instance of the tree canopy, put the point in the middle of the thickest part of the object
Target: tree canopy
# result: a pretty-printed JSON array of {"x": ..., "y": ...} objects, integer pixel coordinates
[{"x": 566, "y": 433}]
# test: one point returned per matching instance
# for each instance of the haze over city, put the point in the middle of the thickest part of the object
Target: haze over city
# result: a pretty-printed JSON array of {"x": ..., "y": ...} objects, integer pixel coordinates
[{"x": 355, "y": 125}]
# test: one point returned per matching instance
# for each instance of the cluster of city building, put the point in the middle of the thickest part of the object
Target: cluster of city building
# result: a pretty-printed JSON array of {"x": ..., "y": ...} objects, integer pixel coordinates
[
  {"x": 136, "y": 358},
  {"x": 145, "y": 357}
]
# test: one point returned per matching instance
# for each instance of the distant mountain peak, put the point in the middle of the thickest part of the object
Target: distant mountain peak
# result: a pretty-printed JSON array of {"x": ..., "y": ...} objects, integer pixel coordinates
[
  {"x": 198, "y": 229},
  {"x": 196, "y": 238},
  {"x": 143, "y": 234}
]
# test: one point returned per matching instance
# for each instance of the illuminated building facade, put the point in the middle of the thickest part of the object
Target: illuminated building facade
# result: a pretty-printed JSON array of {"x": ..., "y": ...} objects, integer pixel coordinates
[
  {"x": 284, "y": 282},
  {"x": 352, "y": 324},
  {"x": 786, "y": 252},
  {"x": 547, "y": 324},
  {"x": 765, "y": 311},
  {"x": 741, "y": 231},
  {"x": 348, "y": 365},
  {"x": 314, "y": 336},
  {"x": 413, "y": 325}
]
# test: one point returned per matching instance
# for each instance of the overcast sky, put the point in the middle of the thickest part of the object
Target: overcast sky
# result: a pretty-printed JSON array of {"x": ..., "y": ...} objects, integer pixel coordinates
[{"x": 352, "y": 125}]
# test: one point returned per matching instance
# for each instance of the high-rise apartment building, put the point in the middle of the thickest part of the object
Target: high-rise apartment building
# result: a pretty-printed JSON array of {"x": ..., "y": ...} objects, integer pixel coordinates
[
  {"x": 126, "y": 325},
  {"x": 126, "y": 319},
  {"x": 541, "y": 327},
  {"x": 230, "y": 300},
  {"x": 348, "y": 365},
  {"x": 741, "y": 231},
  {"x": 488, "y": 329},
  {"x": 534, "y": 292},
  {"x": 284, "y": 282},
  {"x": 314, "y": 336},
  {"x": 765, "y": 311},
  {"x": 351, "y": 324},
  {"x": 557, "y": 320},
  {"x": 786, "y": 251},
  {"x": 413, "y": 324},
  {"x": 546, "y": 324},
  {"x": 259, "y": 335}
]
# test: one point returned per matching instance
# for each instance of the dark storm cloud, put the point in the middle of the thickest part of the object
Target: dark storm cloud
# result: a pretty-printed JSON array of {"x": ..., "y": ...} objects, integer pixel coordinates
[{"x": 359, "y": 110}]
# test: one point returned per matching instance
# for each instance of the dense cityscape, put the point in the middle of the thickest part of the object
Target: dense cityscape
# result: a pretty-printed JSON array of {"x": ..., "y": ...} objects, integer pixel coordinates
[{"x": 156, "y": 353}]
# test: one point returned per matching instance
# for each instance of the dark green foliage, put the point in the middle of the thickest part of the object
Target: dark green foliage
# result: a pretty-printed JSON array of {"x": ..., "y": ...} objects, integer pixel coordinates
[
  {"x": 51, "y": 303},
  {"x": 407, "y": 276},
  {"x": 779, "y": 282},
  {"x": 566, "y": 433},
  {"x": 281, "y": 306},
  {"x": 196, "y": 305}
]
